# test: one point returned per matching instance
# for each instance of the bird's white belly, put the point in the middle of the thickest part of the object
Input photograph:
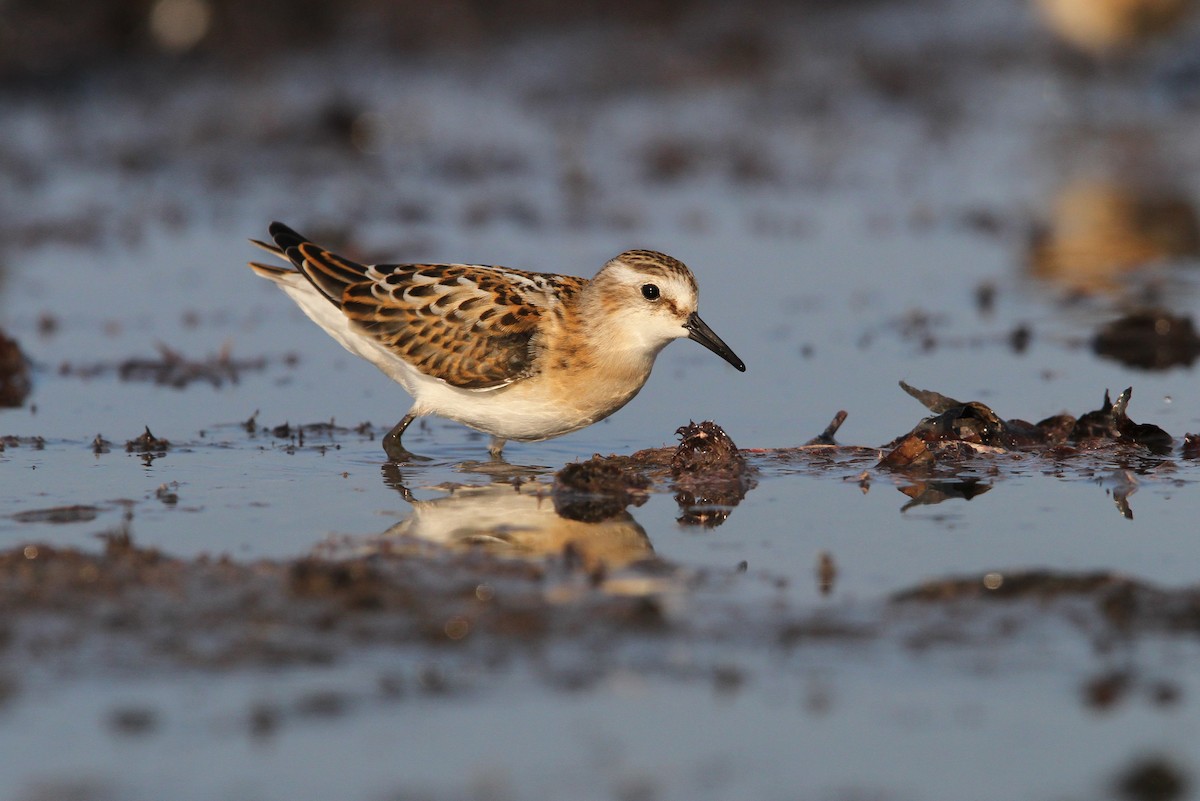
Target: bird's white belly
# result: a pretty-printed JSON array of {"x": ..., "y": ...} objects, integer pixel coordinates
[
  {"x": 526, "y": 411},
  {"x": 535, "y": 408}
]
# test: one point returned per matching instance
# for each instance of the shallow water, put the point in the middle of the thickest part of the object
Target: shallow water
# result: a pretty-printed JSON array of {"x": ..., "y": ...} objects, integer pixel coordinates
[{"x": 841, "y": 206}]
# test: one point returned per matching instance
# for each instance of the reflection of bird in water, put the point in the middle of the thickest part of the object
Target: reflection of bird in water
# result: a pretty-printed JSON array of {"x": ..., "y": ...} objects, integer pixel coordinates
[
  {"x": 1103, "y": 27},
  {"x": 522, "y": 522},
  {"x": 1098, "y": 231}
]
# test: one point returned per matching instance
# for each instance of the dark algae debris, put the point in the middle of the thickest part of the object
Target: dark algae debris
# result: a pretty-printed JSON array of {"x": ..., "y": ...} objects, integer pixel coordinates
[
  {"x": 147, "y": 443},
  {"x": 959, "y": 429},
  {"x": 15, "y": 382},
  {"x": 597, "y": 489},
  {"x": 1111, "y": 423},
  {"x": 1153, "y": 778},
  {"x": 707, "y": 471},
  {"x": 1151, "y": 339}
]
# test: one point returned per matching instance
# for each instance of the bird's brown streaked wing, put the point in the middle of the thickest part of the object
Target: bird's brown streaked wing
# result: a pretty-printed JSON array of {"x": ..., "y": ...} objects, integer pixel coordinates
[{"x": 470, "y": 326}]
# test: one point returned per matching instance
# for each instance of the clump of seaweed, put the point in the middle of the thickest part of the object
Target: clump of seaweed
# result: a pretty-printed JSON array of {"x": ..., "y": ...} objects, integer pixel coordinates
[
  {"x": 598, "y": 489},
  {"x": 960, "y": 429},
  {"x": 147, "y": 443},
  {"x": 710, "y": 474}
]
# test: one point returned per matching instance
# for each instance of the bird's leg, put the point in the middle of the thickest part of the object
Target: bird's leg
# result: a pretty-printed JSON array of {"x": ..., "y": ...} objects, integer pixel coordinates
[
  {"x": 496, "y": 446},
  {"x": 395, "y": 450}
]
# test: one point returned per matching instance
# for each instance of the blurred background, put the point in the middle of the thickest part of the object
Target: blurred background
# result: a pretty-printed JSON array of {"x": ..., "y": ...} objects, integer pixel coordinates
[{"x": 992, "y": 200}]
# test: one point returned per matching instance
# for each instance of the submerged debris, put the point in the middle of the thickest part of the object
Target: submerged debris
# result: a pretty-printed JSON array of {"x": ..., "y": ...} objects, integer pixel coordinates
[
  {"x": 133, "y": 721},
  {"x": 14, "y": 373},
  {"x": 324, "y": 433},
  {"x": 1153, "y": 779},
  {"x": 78, "y": 513},
  {"x": 826, "y": 572},
  {"x": 167, "y": 494},
  {"x": 38, "y": 443},
  {"x": 172, "y": 368},
  {"x": 1040, "y": 584},
  {"x": 597, "y": 489},
  {"x": 1106, "y": 690},
  {"x": 1152, "y": 339},
  {"x": 147, "y": 443}
]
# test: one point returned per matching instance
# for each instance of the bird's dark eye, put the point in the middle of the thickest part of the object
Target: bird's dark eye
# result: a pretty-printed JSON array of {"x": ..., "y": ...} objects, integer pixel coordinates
[{"x": 650, "y": 291}]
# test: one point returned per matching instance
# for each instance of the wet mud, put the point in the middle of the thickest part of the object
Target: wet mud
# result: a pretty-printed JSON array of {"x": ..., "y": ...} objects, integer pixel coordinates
[
  {"x": 137, "y": 611},
  {"x": 544, "y": 561},
  {"x": 218, "y": 613}
]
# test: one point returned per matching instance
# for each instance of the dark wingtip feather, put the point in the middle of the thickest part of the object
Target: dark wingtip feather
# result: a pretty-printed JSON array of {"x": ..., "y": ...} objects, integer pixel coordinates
[
  {"x": 284, "y": 236},
  {"x": 258, "y": 243},
  {"x": 269, "y": 270}
]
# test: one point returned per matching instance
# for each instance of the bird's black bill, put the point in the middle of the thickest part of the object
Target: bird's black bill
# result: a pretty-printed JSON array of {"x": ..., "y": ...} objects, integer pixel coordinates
[{"x": 699, "y": 331}]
